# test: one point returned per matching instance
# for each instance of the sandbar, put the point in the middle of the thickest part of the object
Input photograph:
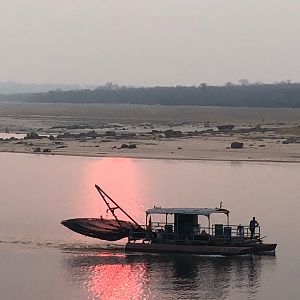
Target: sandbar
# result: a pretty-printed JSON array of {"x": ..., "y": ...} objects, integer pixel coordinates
[{"x": 151, "y": 131}]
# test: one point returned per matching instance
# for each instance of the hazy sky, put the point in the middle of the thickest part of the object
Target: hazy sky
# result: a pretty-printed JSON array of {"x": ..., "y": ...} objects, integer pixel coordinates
[{"x": 149, "y": 42}]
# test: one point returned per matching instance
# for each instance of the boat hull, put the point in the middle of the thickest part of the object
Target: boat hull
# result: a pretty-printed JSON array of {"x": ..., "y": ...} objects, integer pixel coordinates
[
  {"x": 198, "y": 249},
  {"x": 259, "y": 248},
  {"x": 103, "y": 229}
]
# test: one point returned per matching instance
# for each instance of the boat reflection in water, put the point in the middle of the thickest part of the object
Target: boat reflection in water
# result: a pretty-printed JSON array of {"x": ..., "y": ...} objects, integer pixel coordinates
[{"x": 108, "y": 275}]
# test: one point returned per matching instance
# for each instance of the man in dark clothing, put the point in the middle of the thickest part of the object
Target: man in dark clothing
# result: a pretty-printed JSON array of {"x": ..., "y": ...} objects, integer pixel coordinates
[{"x": 252, "y": 226}]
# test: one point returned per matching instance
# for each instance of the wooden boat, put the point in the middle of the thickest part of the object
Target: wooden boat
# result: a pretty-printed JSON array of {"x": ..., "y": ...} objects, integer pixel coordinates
[{"x": 180, "y": 232}]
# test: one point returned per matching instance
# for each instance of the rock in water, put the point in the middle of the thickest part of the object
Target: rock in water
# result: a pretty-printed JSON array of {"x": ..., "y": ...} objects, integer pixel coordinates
[
  {"x": 225, "y": 128},
  {"x": 237, "y": 145},
  {"x": 32, "y": 135},
  {"x": 132, "y": 146}
]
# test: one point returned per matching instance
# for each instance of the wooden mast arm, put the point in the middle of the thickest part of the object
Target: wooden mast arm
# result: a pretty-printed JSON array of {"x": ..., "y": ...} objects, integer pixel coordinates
[{"x": 103, "y": 195}]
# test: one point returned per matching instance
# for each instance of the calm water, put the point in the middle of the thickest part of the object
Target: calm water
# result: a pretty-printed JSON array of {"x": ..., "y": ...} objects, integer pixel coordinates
[{"x": 40, "y": 259}]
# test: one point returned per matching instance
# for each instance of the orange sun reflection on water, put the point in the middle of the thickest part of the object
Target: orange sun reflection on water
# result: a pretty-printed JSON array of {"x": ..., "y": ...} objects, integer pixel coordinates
[
  {"x": 119, "y": 281},
  {"x": 121, "y": 179}
]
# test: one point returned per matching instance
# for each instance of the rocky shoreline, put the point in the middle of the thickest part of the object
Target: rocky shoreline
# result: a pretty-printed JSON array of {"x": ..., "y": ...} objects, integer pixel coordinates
[{"x": 164, "y": 138}]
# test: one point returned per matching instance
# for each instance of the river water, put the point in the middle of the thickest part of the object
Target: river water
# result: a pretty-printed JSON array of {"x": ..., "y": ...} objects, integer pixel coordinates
[{"x": 41, "y": 259}]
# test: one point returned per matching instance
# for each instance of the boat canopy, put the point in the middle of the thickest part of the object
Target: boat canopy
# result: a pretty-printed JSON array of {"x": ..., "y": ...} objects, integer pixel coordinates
[{"x": 187, "y": 211}]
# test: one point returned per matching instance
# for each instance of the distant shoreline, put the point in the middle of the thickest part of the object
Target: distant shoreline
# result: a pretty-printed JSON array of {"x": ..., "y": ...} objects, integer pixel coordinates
[
  {"x": 283, "y": 94},
  {"x": 157, "y": 158}
]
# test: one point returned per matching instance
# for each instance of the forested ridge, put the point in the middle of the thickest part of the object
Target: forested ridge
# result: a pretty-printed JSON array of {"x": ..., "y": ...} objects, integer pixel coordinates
[{"x": 260, "y": 95}]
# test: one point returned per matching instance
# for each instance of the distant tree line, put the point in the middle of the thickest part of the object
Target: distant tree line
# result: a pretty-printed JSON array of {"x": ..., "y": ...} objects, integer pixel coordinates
[
  {"x": 16, "y": 87},
  {"x": 255, "y": 95}
]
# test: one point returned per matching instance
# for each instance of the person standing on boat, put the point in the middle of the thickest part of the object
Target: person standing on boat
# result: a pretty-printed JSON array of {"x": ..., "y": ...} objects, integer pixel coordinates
[{"x": 253, "y": 224}]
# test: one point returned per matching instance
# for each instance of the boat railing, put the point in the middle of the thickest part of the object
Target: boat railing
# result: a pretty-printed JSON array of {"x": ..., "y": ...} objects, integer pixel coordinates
[{"x": 167, "y": 231}]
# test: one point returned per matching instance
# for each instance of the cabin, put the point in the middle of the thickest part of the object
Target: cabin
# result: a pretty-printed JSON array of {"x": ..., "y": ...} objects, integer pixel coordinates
[{"x": 186, "y": 225}]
